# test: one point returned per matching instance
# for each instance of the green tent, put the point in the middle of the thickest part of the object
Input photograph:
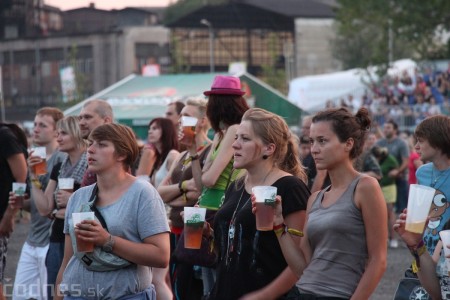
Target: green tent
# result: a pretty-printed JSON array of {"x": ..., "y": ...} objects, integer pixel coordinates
[{"x": 136, "y": 100}]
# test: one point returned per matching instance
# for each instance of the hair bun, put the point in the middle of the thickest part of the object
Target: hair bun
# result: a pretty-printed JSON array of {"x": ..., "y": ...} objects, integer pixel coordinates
[{"x": 363, "y": 119}]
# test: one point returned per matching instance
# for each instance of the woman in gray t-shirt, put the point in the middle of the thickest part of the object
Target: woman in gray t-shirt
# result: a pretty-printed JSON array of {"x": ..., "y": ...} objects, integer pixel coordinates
[{"x": 136, "y": 232}]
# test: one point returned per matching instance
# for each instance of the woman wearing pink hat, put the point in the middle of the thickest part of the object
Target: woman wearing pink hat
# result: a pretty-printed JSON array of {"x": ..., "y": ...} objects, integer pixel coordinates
[{"x": 225, "y": 109}]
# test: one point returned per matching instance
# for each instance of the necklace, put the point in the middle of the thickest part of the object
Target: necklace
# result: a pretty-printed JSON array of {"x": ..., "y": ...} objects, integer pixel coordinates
[
  {"x": 232, "y": 228},
  {"x": 434, "y": 179}
]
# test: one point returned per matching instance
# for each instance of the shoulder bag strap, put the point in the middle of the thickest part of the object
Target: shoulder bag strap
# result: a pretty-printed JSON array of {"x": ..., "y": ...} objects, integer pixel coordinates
[{"x": 94, "y": 208}]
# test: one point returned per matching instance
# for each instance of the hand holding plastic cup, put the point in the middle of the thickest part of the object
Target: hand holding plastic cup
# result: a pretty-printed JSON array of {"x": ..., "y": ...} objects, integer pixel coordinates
[
  {"x": 66, "y": 184},
  {"x": 264, "y": 203},
  {"x": 194, "y": 218},
  {"x": 19, "y": 189},
  {"x": 78, "y": 217},
  {"x": 419, "y": 204},
  {"x": 445, "y": 238},
  {"x": 188, "y": 127},
  {"x": 41, "y": 167}
]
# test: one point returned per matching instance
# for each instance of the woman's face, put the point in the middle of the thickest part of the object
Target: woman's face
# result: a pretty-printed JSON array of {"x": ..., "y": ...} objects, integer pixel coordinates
[
  {"x": 101, "y": 156},
  {"x": 247, "y": 147},
  {"x": 65, "y": 141},
  {"x": 326, "y": 148},
  {"x": 154, "y": 133}
]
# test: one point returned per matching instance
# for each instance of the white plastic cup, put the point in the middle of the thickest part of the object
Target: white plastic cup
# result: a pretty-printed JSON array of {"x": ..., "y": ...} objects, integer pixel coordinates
[
  {"x": 78, "y": 217},
  {"x": 19, "y": 189},
  {"x": 194, "y": 218},
  {"x": 265, "y": 202},
  {"x": 419, "y": 204},
  {"x": 66, "y": 184},
  {"x": 445, "y": 238}
]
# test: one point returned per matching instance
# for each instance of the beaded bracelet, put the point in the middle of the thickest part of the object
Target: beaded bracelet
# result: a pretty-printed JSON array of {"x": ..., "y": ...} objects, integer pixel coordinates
[{"x": 281, "y": 229}]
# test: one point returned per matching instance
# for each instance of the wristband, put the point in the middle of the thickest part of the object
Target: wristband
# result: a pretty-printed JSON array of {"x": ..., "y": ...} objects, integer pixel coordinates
[
  {"x": 417, "y": 251},
  {"x": 281, "y": 229},
  {"x": 195, "y": 157},
  {"x": 181, "y": 187},
  {"x": 183, "y": 196},
  {"x": 36, "y": 183}
]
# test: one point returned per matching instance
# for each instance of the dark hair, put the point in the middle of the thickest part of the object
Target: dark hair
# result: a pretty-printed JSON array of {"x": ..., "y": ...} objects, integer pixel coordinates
[
  {"x": 169, "y": 140},
  {"x": 380, "y": 153},
  {"x": 436, "y": 130},
  {"x": 18, "y": 133},
  {"x": 226, "y": 109},
  {"x": 393, "y": 123},
  {"x": 304, "y": 140},
  {"x": 178, "y": 106},
  {"x": 123, "y": 139},
  {"x": 346, "y": 126}
]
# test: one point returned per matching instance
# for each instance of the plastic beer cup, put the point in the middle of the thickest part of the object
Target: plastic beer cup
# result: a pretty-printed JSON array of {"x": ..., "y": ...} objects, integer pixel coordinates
[
  {"x": 83, "y": 246},
  {"x": 188, "y": 126},
  {"x": 19, "y": 189},
  {"x": 194, "y": 218},
  {"x": 66, "y": 184},
  {"x": 265, "y": 201},
  {"x": 445, "y": 238},
  {"x": 419, "y": 203},
  {"x": 40, "y": 168}
]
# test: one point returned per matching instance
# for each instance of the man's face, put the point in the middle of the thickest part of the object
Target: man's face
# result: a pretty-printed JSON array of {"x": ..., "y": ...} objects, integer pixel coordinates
[
  {"x": 388, "y": 130},
  {"x": 171, "y": 114},
  {"x": 44, "y": 131},
  {"x": 89, "y": 120}
]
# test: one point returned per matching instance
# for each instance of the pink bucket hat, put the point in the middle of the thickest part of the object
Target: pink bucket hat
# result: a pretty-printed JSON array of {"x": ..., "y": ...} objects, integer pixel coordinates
[{"x": 225, "y": 85}]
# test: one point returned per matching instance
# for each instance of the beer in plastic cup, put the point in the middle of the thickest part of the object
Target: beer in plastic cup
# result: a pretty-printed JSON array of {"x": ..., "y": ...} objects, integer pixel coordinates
[
  {"x": 83, "y": 246},
  {"x": 40, "y": 168},
  {"x": 188, "y": 126},
  {"x": 19, "y": 189},
  {"x": 265, "y": 202},
  {"x": 194, "y": 217},
  {"x": 66, "y": 184},
  {"x": 419, "y": 204},
  {"x": 445, "y": 238}
]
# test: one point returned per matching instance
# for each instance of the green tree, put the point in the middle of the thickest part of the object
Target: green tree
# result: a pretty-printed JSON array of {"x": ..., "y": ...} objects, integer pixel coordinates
[{"x": 364, "y": 29}]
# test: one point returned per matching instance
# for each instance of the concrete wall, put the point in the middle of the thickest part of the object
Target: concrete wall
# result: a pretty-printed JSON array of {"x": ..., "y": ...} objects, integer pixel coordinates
[{"x": 313, "y": 47}]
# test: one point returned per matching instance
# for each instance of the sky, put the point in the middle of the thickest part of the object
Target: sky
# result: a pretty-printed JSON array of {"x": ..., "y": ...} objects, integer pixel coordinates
[{"x": 106, "y": 4}]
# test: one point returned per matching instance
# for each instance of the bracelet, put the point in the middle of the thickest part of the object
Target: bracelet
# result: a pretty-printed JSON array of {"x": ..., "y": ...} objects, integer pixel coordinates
[
  {"x": 416, "y": 252},
  {"x": 281, "y": 229},
  {"x": 195, "y": 157},
  {"x": 36, "y": 183},
  {"x": 181, "y": 187},
  {"x": 183, "y": 196}
]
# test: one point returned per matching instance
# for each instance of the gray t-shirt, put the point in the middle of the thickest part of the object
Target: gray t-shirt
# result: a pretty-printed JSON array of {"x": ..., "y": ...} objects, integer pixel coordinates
[
  {"x": 39, "y": 233},
  {"x": 397, "y": 148},
  {"x": 138, "y": 214}
]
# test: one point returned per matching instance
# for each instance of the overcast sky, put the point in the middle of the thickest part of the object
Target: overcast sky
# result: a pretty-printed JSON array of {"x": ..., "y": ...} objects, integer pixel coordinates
[{"x": 106, "y": 4}]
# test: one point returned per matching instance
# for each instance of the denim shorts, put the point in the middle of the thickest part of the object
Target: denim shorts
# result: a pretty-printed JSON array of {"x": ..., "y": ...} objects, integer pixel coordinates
[{"x": 3, "y": 252}]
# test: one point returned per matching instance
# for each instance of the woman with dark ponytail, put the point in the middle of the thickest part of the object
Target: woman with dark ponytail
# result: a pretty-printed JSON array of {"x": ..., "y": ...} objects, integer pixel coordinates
[
  {"x": 343, "y": 252},
  {"x": 251, "y": 261}
]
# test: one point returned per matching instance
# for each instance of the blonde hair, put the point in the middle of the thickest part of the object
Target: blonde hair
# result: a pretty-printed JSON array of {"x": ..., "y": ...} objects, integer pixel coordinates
[
  {"x": 271, "y": 128},
  {"x": 70, "y": 125}
]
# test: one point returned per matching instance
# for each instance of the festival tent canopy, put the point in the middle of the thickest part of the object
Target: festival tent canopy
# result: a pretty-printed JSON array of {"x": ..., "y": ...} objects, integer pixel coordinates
[{"x": 136, "y": 99}]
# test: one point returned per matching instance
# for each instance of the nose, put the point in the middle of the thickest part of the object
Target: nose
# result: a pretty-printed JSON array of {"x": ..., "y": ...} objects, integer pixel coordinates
[
  {"x": 90, "y": 149},
  {"x": 314, "y": 148}
]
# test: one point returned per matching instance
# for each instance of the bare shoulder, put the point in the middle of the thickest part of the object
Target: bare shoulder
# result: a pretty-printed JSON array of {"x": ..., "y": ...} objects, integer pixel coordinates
[
  {"x": 368, "y": 188},
  {"x": 311, "y": 199}
]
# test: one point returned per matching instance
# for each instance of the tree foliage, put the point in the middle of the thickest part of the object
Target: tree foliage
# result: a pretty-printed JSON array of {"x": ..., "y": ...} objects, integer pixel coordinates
[{"x": 416, "y": 26}]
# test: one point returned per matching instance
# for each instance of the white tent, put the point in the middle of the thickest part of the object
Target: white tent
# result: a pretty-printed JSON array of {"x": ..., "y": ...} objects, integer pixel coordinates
[{"x": 311, "y": 93}]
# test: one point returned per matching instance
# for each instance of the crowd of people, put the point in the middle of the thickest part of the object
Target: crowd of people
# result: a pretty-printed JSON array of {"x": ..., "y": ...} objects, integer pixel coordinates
[
  {"x": 342, "y": 190},
  {"x": 407, "y": 99}
]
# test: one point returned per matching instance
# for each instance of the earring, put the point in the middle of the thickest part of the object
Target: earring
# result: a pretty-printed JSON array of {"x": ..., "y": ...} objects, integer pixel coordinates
[{"x": 265, "y": 157}]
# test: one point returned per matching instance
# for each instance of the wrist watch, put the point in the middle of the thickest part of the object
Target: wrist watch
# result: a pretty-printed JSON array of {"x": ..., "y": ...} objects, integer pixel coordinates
[{"x": 108, "y": 246}]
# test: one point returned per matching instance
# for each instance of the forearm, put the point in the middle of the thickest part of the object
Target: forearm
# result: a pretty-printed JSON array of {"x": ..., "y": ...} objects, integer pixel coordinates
[
  {"x": 146, "y": 254},
  {"x": 370, "y": 279},
  {"x": 169, "y": 193},
  {"x": 43, "y": 205},
  {"x": 428, "y": 277},
  {"x": 280, "y": 285},
  {"x": 293, "y": 254}
]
